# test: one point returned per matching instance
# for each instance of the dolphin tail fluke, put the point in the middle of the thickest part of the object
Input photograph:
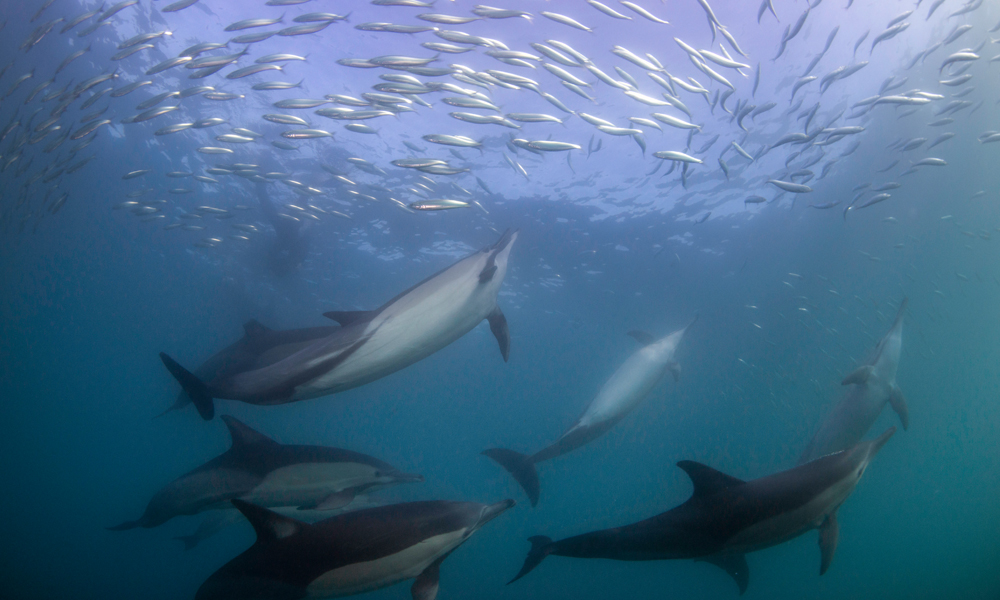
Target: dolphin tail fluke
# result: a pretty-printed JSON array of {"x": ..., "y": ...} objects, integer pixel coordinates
[
  {"x": 541, "y": 547},
  {"x": 521, "y": 467},
  {"x": 126, "y": 525},
  {"x": 195, "y": 388},
  {"x": 733, "y": 564},
  {"x": 898, "y": 403}
]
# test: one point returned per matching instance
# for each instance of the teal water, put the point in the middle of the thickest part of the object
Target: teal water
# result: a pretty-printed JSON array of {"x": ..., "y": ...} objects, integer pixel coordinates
[{"x": 91, "y": 295}]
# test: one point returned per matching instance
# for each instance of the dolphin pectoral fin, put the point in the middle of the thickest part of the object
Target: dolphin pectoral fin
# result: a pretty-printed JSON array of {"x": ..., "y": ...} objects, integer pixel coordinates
[
  {"x": 859, "y": 375},
  {"x": 829, "y": 534},
  {"x": 643, "y": 337},
  {"x": 541, "y": 547},
  {"x": 498, "y": 325},
  {"x": 428, "y": 582},
  {"x": 269, "y": 525},
  {"x": 487, "y": 273},
  {"x": 734, "y": 564},
  {"x": 200, "y": 395},
  {"x": 350, "y": 317},
  {"x": 898, "y": 403},
  {"x": 675, "y": 370},
  {"x": 521, "y": 467},
  {"x": 333, "y": 501}
]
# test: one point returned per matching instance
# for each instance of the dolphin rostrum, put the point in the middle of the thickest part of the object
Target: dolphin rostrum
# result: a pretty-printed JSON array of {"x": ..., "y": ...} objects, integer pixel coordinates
[
  {"x": 258, "y": 469},
  {"x": 259, "y": 347},
  {"x": 629, "y": 385},
  {"x": 872, "y": 386},
  {"x": 726, "y": 517},
  {"x": 372, "y": 344},
  {"x": 348, "y": 554}
]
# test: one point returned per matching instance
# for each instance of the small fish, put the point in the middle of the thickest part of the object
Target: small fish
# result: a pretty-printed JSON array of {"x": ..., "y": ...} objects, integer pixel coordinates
[
  {"x": 305, "y": 134},
  {"x": 305, "y": 29},
  {"x": 795, "y": 188},
  {"x": 249, "y": 23},
  {"x": 280, "y": 57},
  {"x": 608, "y": 10},
  {"x": 644, "y": 13},
  {"x": 179, "y": 5},
  {"x": 452, "y": 140},
  {"x": 442, "y": 204},
  {"x": 676, "y": 156},
  {"x": 168, "y": 64},
  {"x": 563, "y": 19},
  {"x": 252, "y": 70},
  {"x": 300, "y": 103},
  {"x": 276, "y": 85},
  {"x": 285, "y": 119},
  {"x": 197, "y": 49}
]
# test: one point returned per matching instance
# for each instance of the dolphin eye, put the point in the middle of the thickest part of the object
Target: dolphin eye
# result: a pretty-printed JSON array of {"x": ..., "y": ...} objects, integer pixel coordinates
[{"x": 378, "y": 473}]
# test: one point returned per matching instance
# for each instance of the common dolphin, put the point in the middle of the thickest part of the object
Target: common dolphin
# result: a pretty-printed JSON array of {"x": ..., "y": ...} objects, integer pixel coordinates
[
  {"x": 258, "y": 469},
  {"x": 260, "y": 346},
  {"x": 872, "y": 386},
  {"x": 348, "y": 554},
  {"x": 726, "y": 517},
  {"x": 372, "y": 344},
  {"x": 629, "y": 385}
]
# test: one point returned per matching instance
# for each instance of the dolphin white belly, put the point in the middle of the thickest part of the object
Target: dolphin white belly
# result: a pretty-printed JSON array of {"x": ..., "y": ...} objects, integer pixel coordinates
[{"x": 360, "y": 577}]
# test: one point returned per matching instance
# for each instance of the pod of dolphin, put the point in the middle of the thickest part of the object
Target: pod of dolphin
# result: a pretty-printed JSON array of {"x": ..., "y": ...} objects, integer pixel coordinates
[
  {"x": 319, "y": 533},
  {"x": 353, "y": 547}
]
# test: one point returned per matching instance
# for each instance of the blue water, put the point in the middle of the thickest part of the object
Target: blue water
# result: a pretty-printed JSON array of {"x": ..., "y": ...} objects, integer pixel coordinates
[{"x": 91, "y": 295}]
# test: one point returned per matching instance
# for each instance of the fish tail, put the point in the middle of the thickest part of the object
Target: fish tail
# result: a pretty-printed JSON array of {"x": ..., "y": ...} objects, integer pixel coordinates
[
  {"x": 521, "y": 467},
  {"x": 541, "y": 547},
  {"x": 195, "y": 388}
]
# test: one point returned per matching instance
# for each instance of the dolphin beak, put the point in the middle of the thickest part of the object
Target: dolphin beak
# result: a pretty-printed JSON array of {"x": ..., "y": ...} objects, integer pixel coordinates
[
  {"x": 493, "y": 511},
  {"x": 880, "y": 441},
  {"x": 408, "y": 478}
]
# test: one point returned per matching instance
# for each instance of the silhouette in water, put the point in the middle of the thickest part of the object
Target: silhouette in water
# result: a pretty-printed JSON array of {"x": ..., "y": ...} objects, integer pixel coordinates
[{"x": 288, "y": 248}]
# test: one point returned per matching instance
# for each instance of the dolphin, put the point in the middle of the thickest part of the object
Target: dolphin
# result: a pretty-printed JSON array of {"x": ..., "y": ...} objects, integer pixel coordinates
[
  {"x": 348, "y": 554},
  {"x": 372, "y": 344},
  {"x": 629, "y": 385},
  {"x": 260, "y": 346},
  {"x": 726, "y": 517},
  {"x": 872, "y": 386},
  {"x": 258, "y": 469}
]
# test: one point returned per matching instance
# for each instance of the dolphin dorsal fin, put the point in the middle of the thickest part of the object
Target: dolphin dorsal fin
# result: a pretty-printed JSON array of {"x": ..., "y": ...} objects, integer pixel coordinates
[
  {"x": 243, "y": 435},
  {"x": 349, "y": 317},
  {"x": 253, "y": 328},
  {"x": 267, "y": 524},
  {"x": 643, "y": 337},
  {"x": 706, "y": 480}
]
